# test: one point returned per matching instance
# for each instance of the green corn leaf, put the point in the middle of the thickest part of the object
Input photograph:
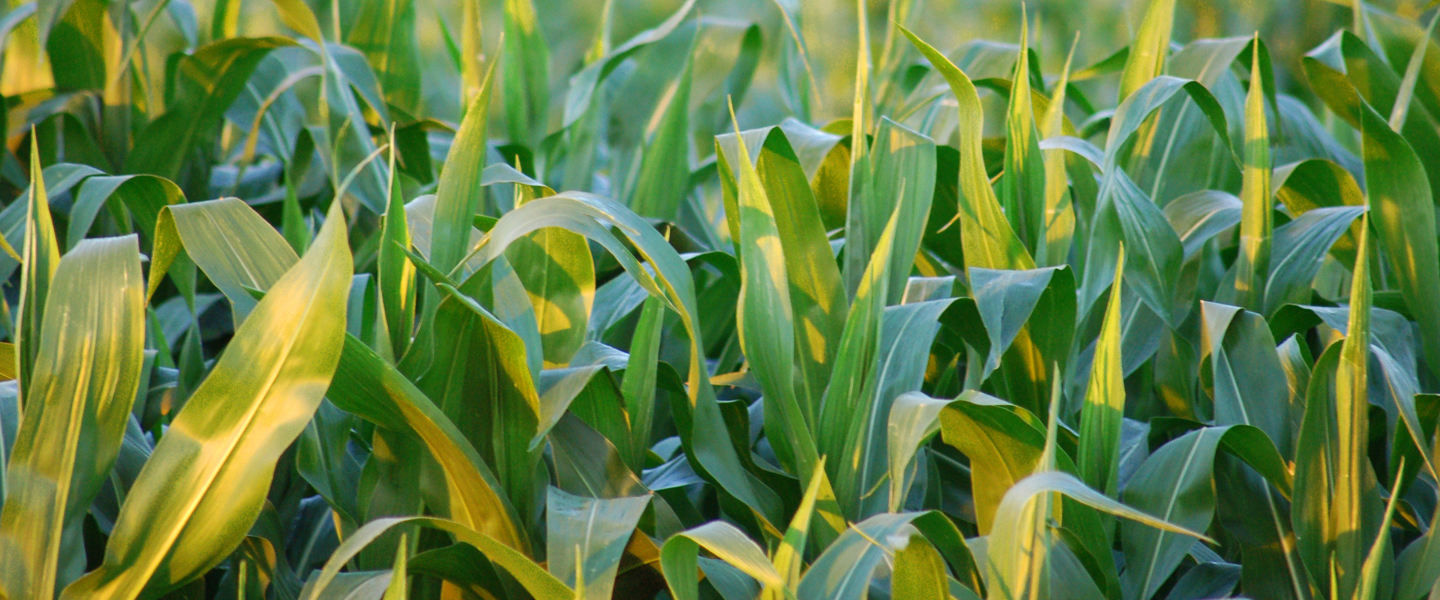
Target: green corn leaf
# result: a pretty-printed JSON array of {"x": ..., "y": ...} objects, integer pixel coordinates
[
  {"x": 207, "y": 232},
  {"x": 142, "y": 195},
  {"x": 1300, "y": 248},
  {"x": 816, "y": 294},
  {"x": 789, "y": 557},
  {"x": 765, "y": 323},
  {"x": 558, "y": 272},
  {"x": 1377, "y": 559},
  {"x": 526, "y": 76},
  {"x": 478, "y": 356},
  {"x": 583, "y": 84},
  {"x": 664, "y": 178},
  {"x": 365, "y": 385},
  {"x": 1331, "y": 452},
  {"x": 906, "y": 335},
  {"x": 532, "y": 577},
  {"x": 396, "y": 275},
  {"x": 399, "y": 574},
  {"x": 1253, "y": 263},
  {"x": 42, "y": 256},
  {"x": 901, "y": 174},
  {"x": 84, "y": 379},
  {"x": 298, "y": 16},
  {"x": 1403, "y": 97},
  {"x": 1029, "y": 317},
  {"x": 641, "y": 372},
  {"x": 1003, "y": 442},
  {"x": 1199, "y": 216},
  {"x": 989, "y": 239},
  {"x": 1125, "y": 214},
  {"x": 1023, "y": 186},
  {"x": 223, "y": 445},
  {"x": 914, "y": 418},
  {"x": 1396, "y": 186},
  {"x": 1176, "y": 484},
  {"x": 1146, "y": 59},
  {"x": 844, "y": 570},
  {"x": 457, "y": 197},
  {"x": 587, "y": 539},
  {"x": 919, "y": 571},
  {"x": 1098, "y": 458},
  {"x": 845, "y": 411},
  {"x": 385, "y": 31},
  {"x": 678, "y": 558},
  {"x": 1058, "y": 222},
  {"x": 1016, "y": 564},
  {"x": 587, "y": 214},
  {"x": 1248, "y": 383},
  {"x": 211, "y": 79}
]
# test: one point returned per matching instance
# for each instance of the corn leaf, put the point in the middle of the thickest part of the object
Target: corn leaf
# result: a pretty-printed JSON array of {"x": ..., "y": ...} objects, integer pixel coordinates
[
  {"x": 223, "y": 445},
  {"x": 85, "y": 377}
]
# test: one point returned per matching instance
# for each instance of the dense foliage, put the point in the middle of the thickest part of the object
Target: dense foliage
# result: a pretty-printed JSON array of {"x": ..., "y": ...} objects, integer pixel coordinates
[{"x": 1155, "y": 327}]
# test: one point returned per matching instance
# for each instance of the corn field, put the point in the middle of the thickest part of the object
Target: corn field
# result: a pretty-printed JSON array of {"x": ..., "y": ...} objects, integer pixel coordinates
[{"x": 313, "y": 300}]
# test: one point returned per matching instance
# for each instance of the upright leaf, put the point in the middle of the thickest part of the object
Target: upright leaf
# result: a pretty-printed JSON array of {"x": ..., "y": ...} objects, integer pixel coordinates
[
  {"x": 223, "y": 446},
  {"x": 85, "y": 376},
  {"x": 396, "y": 273},
  {"x": 988, "y": 238},
  {"x": 458, "y": 195},
  {"x": 525, "y": 78},
  {"x": 664, "y": 178},
  {"x": 42, "y": 257},
  {"x": 385, "y": 31},
  {"x": 1146, "y": 60},
  {"x": 1101, "y": 417},
  {"x": 1023, "y": 186},
  {"x": 765, "y": 322},
  {"x": 1253, "y": 263},
  {"x": 1332, "y": 527}
]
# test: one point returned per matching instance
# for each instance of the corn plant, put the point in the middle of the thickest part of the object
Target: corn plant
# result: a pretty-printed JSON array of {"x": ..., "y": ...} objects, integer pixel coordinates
[{"x": 302, "y": 303}]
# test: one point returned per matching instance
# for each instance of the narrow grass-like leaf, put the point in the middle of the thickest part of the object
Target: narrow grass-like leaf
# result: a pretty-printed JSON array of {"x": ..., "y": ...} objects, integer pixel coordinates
[
  {"x": 664, "y": 178},
  {"x": 584, "y": 84},
  {"x": 365, "y": 385},
  {"x": 1098, "y": 459},
  {"x": 1253, "y": 263},
  {"x": 1022, "y": 187},
  {"x": 816, "y": 294},
  {"x": 395, "y": 272},
  {"x": 1396, "y": 187},
  {"x": 1146, "y": 59},
  {"x": 1058, "y": 222},
  {"x": 1176, "y": 484},
  {"x": 1331, "y": 454},
  {"x": 587, "y": 215},
  {"x": 525, "y": 78},
  {"x": 42, "y": 256},
  {"x": 986, "y": 234},
  {"x": 641, "y": 369},
  {"x": 458, "y": 195}
]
